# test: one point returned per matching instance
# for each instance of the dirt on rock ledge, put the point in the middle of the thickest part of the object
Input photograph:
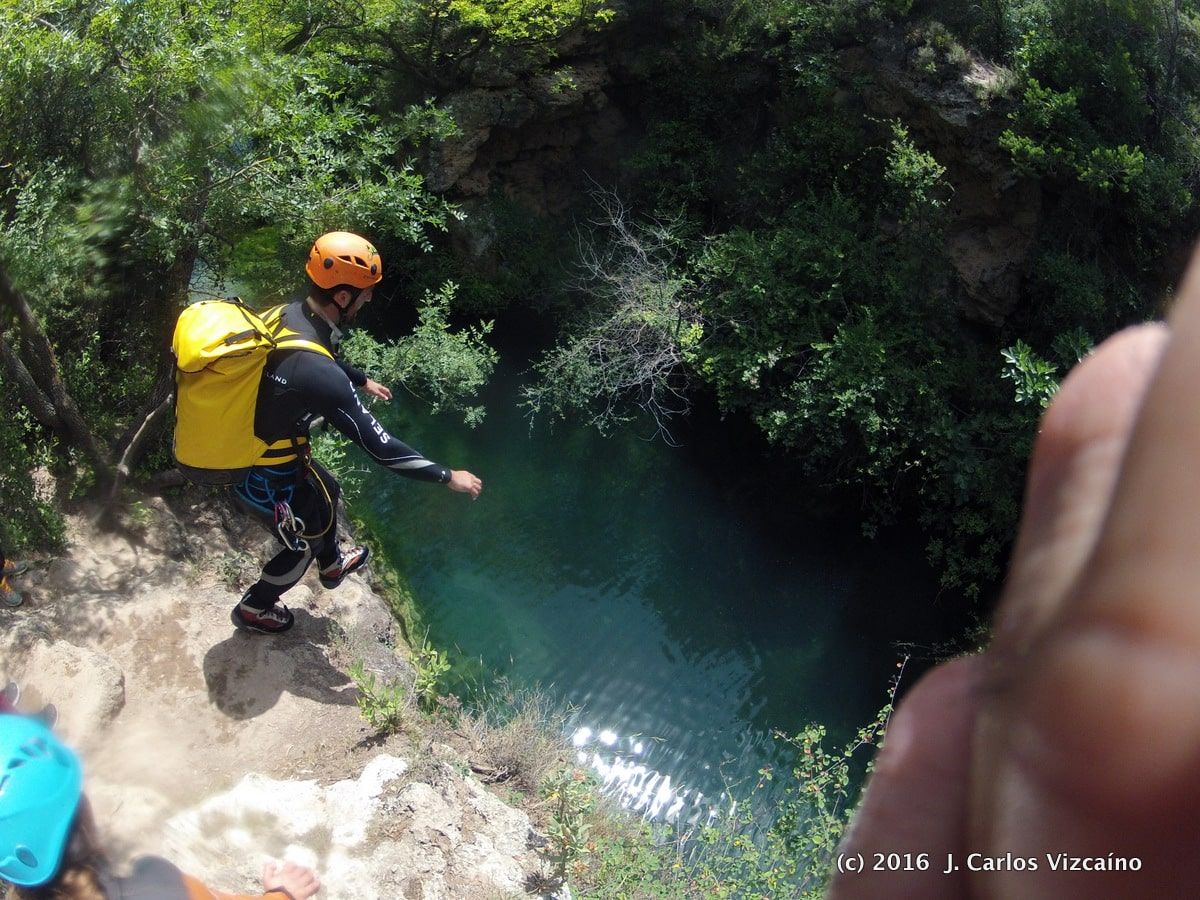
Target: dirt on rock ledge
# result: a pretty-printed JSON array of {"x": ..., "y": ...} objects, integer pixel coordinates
[{"x": 221, "y": 749}]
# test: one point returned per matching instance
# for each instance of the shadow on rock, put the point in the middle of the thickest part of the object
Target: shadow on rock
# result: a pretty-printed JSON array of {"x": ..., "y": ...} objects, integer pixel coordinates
[{"x": 247, "y": 673}]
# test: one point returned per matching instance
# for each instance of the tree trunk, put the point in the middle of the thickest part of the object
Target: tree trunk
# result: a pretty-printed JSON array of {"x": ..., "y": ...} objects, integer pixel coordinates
[
  {"x": 27, "y": 390},
  {"x": 42, "y": 365}
]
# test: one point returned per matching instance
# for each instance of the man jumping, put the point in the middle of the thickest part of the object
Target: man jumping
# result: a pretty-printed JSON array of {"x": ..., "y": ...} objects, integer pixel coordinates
[{"x": 296, "y": 495}]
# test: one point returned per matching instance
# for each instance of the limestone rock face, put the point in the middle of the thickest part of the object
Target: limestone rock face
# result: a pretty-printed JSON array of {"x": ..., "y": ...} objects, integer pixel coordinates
[
  {"x": 994, "y": 213},
  {"x": 534, "y": 137},
  {"x": 218, "y": 749},
  {"x": 379, "y": 836},
  {"x": 527, "y": 137}
]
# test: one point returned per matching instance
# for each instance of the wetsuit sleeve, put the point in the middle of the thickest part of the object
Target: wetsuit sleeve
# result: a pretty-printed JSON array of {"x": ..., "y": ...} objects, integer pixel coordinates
[
  {"x": 357, "y": 377},
  {"x": 328, "y": 391}
]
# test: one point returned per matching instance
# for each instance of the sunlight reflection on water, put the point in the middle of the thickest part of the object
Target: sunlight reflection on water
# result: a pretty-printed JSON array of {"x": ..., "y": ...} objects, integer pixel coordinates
[{"x": 627, "y": 779}]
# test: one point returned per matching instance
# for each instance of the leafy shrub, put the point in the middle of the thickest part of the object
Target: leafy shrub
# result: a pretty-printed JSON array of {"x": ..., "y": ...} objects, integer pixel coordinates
[
  {"x": 382, "y": 705},
  {"x": 446, "y": 369},
  {"x": 570, "y": 794},
  {"x": 626, "y": 350},
  {"x": 431, "y": 667},
  {"x": 29, "y": 520}
]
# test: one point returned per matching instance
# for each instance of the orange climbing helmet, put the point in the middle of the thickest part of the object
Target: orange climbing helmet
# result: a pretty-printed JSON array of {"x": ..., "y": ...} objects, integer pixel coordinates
[{"x": 339, "y": 257}]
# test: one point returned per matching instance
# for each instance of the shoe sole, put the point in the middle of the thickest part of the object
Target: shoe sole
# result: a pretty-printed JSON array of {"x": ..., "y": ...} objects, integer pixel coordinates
[
  {"x": 330, "y": 583},
  {"x": 242, "y": 625}
]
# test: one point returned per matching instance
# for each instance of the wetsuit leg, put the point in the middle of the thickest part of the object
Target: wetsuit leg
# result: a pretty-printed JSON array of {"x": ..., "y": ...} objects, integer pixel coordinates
[
  {"x": 318, "y": 507},
  {"x": 315, "y": 502},
  {"x": 279, "y": 575}
]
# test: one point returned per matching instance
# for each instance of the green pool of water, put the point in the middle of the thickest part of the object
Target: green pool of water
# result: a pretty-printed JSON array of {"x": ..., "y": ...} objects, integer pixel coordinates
[{"x": 680, "y": 599}]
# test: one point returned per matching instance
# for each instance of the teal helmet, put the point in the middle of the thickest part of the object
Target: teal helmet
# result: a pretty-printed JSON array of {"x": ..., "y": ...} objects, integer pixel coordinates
[{"x": 41, "y": 782}]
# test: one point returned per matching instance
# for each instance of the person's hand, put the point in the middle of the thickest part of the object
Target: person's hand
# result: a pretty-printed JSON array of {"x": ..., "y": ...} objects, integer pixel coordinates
[
  {"x": 299, "y": 882},
  {"x": 375, "y": 389},
  {"x": 464, "y": 482},
  {"x": 1074, "y": 741}
]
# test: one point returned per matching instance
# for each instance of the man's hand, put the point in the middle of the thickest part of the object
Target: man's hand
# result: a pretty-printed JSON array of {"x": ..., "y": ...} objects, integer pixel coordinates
[
  {"x": 298, "y": 882},
  {"x": 465, "y": 483},
  {"x": 1076, "y": 736},
  {"x": 375, "y": 389}
]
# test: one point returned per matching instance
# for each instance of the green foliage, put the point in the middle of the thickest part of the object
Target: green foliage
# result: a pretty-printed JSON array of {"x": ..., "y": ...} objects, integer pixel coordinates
[
  {"x": 427, "y": 122},
  {"x": 431, "y": 667},
  {"x": 755, "y": 848},
  {"x": 1106, "y": 98},
  {"x": 1071, "y": 291},
  {"x": 143, "y": 139},
  {"x": 28, "y": 519},
  {"x": 382, "y": 705},
  {"x": 1050, "y": 136},
  {"x": 915, "y": 178},
  {"x": 678, "y": 162},
  {"x": 936, "y": 52},
  {"x": 237, "y": 570},
  {"x": 443, "y": 40},
  {"x": 445, "y": 368},
  {"x": 806, "y": 334},
  {"x": 521, "y": 262},
  {"x": 793, "y": 855},
  {"x": 822, "y": 302},
  {"x": 1072, "y": 346},
  {"x": 570, "y": 795},
  {"x": 333, "y": 449},
  {"x": 528, "y": 21},
  {"x": 634, "y": 861},
  {"x": 1032, "y": 375}
]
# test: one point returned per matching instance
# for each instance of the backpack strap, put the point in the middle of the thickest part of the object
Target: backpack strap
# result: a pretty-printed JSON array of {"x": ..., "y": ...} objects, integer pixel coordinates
[
  {"x": 293, "y": 341},
  {"x": 284, "y": 337}
]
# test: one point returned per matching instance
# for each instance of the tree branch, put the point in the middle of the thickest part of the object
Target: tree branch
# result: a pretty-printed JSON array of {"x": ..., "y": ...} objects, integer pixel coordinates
[{"x": 134, "y": 450}]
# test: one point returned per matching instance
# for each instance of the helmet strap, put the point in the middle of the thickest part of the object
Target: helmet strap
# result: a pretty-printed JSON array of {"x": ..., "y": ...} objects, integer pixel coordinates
[{"x": 335, "y": 333}]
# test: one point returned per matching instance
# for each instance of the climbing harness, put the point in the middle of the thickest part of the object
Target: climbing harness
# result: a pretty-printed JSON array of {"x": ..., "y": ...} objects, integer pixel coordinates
[{"x": 290, "y": 528}]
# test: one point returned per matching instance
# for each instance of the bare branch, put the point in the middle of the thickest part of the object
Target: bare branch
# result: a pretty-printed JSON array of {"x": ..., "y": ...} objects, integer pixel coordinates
[
  {"x": 628, "y": 351},
  {"x": 134, "y": 450}
]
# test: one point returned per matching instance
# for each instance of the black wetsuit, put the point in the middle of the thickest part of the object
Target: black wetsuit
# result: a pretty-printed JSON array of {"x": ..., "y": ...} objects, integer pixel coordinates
[{"x": 298, "y": 386}]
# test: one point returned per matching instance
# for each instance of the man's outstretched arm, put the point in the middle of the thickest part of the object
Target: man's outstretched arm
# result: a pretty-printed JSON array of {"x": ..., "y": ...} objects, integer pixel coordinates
[{"x": 333, "y": 396}]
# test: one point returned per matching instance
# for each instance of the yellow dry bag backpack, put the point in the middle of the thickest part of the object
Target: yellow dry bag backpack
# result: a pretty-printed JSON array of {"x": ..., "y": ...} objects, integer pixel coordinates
[{"x": 220, "y": 349}]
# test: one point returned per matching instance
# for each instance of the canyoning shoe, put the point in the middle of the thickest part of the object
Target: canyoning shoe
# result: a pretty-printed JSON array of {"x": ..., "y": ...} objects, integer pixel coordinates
[
  {"x": 348, "y": 562},
  {"x": 275, "y": 620},
  {"x": 9, "y": 697},
  {"x": 13, "y": 569},
  {"x": 8, "y": 595}
]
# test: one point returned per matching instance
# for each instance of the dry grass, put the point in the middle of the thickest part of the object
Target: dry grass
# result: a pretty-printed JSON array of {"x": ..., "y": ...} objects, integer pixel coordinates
[{"x": 518, "y": 738}]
